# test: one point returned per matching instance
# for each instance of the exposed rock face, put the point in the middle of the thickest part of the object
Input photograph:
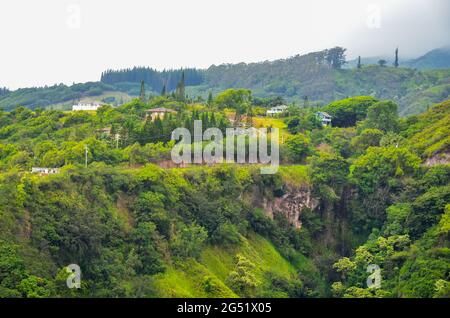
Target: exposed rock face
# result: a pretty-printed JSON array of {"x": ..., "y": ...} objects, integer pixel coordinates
[
  {"x": 291, "y": 205},
  {"x": 167, "y": 164},
  {"x": 442, "y": 158}
]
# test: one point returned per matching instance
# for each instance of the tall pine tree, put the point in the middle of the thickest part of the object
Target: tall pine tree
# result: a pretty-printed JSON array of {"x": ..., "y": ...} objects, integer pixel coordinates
[
  {"x": 396, "y": 58},
  {"x": 305, "y": 101},
  {"x": 210, "y": 99},
  {"x": 142, "y": 93},
  {"x": 181, "y": 88},
  {"x": 213, "y": 120}
]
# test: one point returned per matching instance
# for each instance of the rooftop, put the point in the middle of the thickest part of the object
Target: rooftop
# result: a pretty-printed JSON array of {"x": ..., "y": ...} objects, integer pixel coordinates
[
  {"x": 280, "y": 107},
  {"x": 160, "y": 110},
  {"x": 324, "y": 114}
]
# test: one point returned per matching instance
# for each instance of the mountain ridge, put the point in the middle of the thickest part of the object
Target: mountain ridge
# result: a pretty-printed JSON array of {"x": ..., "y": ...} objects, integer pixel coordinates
[{"x": 296, "y": 78}]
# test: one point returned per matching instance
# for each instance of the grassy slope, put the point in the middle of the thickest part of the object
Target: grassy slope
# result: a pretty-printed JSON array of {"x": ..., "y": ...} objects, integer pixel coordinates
[
  {"x": 279, "y": 123},
  {"x": 215, "y": 264},
  {"x": 295, "y": 175},
  {"x": 429, "y": 133}
]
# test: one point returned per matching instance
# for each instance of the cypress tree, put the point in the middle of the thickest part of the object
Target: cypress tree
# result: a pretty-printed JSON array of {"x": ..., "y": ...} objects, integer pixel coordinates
[
  {"x": 249, "y": 121},
  {"x": 182, "y": 88},
  {"x": 142, "y": 93},
  {"x": 210, "y": 99},
  {"x": 359, "y": 62},
  {"x": 188, "y": 124},
  {"x": 396, "y": 58},
  {"x": 213, "y": 120},
  {"x": 158, "y": 130},
  {"x": 147, "y": 132},
  {"x": 205, "y": 121}
]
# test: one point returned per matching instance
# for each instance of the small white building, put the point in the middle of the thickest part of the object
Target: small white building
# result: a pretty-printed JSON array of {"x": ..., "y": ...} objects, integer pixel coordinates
[
  {"x": 86, "y": 106},
  {"x": 324, "y": 117},
  {"x": 276, "y": 110},
  {"x": 44, "y": 171}
]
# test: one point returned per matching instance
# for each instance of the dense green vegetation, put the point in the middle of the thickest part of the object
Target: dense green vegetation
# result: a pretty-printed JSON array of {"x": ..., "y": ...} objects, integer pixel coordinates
[
  {"x": 136, "y": 232},
  {"x": 374, "y": 189}
]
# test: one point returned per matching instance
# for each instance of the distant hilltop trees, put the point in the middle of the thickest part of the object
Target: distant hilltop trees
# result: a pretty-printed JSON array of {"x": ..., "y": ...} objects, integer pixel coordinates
[
  {"x": 159, "y": 81},
  {"x": 169, "y": 80},
  {"x": 3, "y": 91}
]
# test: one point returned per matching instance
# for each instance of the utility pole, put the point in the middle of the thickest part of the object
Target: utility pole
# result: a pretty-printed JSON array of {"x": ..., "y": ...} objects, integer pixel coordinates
[{"x": 86, "y": 155}]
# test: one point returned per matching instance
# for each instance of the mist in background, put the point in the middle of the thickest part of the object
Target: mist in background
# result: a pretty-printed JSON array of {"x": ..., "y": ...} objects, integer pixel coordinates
[{"x": 64, "y": 41}]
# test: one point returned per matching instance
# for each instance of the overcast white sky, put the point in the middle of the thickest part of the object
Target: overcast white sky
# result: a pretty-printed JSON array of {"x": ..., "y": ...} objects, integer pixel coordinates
[{"x": 66, "y": 41}]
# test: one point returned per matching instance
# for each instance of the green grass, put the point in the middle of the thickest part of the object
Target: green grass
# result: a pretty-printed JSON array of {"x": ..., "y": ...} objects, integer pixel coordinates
[
  {"x": 274, "y": 122},
  {"x": 295, "y": 175},
  {"x": 269, "y": 121},
  {"x": 429, "y": 135},
  {"x": 190, "y": 278}
]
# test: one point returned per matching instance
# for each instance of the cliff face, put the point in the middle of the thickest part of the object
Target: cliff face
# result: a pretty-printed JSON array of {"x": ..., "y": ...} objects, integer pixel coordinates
[
  {"x": 291, "y": 204},
  {"x": 439, "y": 159}
]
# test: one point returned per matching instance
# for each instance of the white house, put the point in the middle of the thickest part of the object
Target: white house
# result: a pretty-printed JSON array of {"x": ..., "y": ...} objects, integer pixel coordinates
[
  {"x": 276, "y": 110},
  {"x": 324, "y": 117},
  {"x": 86, "y": 106},
  {"x": 44, "y": 170}
]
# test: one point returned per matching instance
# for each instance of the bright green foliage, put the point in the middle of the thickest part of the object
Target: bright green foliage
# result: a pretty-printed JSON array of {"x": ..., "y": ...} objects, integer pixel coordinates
[
  {"x": 35, "y": 287},
  {"x": 429, "y": 133},
  {"x": 243, "y": 279},
  {"x": 442, "y": 289},
  {"x": 146, "y": 239},
  {"x": 344, "y": 266},
  {"x": 188, "y": 242},
  {"x": 427, "y": 209},
  {"x": 298, "y": 147},
  {"x": 139, "y": 227},
  {"x": 380, "y": 166},
  {"x": 347, "y": 112},
  {"x": 124, "y": 226},
  {"x": 383, "y": 116},
  {"x": 329, "y": 175},
  {"x": 397, "y": 216},
  {"x": 303, "y": 121},
  {"x": 368, "y": 138},
  {"x": 234, "y": 98}
]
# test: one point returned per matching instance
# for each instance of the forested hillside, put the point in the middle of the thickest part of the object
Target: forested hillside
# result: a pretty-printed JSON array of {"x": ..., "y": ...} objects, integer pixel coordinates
[
  {"x": 372, "y": 189},
  {"x": 43, "y": 97},
  {"x": 314, "y": 79},
  {"x": 157, "y": 81},
  {"x": 435, "y": 59}
]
